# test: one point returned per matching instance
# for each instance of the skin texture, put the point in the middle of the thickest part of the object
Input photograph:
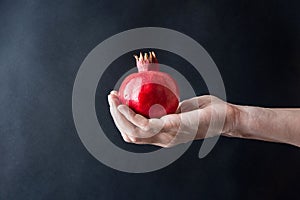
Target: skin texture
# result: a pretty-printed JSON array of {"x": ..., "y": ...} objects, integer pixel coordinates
[{"x": 274, "y": 125}]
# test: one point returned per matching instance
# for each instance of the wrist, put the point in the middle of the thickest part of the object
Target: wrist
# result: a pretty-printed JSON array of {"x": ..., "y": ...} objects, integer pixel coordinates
[
  {"x": 242, "y": 123},
  {"x": 246, "y": 121}
]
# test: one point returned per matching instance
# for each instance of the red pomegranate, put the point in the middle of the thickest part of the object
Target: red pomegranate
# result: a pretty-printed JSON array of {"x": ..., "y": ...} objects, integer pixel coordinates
[{"x": 149, "y": 92}]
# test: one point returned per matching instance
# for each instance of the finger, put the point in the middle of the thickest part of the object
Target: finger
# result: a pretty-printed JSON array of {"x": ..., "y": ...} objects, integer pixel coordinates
[
  {"x": 164, "y": 140},
  {"x": 194, "y": 103},
  {"x": 157, "y": 140},
  {"x": 188, "y": 105},
  {"x": 121, "y": 122},
  {"x": 133, "y": 117},
  {"x": 127, "y": 129},
  {"x": 146, "y": 127},
  {"x": 179, "y": 108},
  {"x": 183, "y": 125},
  {"x": 194, "y": 123},
  {"x": 126, "y": 138},
  {"x": 114, "y": 92},
  {"x": 113, "y": 104}
]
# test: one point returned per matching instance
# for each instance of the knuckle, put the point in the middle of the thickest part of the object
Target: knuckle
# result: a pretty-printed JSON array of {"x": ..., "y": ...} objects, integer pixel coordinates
[
  {"x": 146, "y": 128},
  {"x": 144, "y": 123},
  {"x": 135, "y": 139}
]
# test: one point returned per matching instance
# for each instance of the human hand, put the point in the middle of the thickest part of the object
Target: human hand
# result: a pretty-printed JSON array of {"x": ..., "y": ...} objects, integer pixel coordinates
[{"x": 192, "y": 120}]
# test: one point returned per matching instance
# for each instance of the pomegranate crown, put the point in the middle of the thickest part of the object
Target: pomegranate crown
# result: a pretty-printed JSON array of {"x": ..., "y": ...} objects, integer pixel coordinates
[{"x": 147, "y": 62}]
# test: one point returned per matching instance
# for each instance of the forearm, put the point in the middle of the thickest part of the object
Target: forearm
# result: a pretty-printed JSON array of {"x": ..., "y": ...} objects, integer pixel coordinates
[{"x": 276, "y": 125}]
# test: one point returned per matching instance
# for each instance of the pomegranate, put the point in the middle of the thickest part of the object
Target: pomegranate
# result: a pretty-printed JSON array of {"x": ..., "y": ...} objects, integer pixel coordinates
[{"x": 149, "y": 92}]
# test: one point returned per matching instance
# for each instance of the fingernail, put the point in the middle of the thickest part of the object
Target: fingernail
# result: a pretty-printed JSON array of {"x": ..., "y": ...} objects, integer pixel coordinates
[{"x": 114, "y": 92}]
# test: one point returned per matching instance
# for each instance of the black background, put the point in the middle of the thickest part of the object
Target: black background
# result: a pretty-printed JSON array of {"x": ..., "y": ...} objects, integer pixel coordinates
[{"x": 42, "y": 44}]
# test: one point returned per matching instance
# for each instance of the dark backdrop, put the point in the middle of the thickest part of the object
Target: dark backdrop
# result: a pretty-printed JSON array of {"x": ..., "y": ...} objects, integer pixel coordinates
[{"x": 255, "y": 44}]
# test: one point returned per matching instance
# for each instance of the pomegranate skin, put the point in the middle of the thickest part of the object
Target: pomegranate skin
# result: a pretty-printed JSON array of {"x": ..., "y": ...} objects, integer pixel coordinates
[{"x": 150, "y": 92}]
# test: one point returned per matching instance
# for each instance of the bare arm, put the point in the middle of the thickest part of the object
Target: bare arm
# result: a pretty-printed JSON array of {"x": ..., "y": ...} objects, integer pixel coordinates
[{"x": 275, "y": 125}]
